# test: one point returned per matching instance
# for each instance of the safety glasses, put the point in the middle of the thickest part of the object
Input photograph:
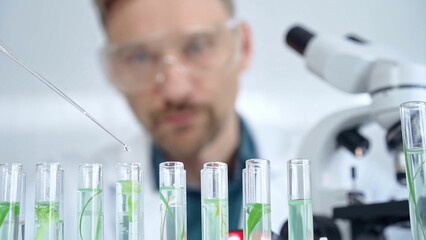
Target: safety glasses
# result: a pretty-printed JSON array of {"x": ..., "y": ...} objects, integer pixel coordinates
[{"x": 196, "y": 51}]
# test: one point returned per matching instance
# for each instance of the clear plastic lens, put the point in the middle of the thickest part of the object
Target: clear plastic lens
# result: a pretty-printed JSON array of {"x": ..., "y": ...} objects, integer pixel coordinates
[{"x": 198, "y": 51}]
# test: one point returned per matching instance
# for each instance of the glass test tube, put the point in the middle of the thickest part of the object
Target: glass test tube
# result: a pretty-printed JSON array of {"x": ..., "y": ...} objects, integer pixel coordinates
[
  {"x": 257, "y": 200},
  {"x": 413, "y": 123},
  {"x": 12, "y": 195},
  {"x": 214, "y": 201},
  {"x": 300, "y": 219},
  {"x": 22, "y": 207},
  {"x": 49, "y": 223},
  {"x": 173, "y": 201},
  {"x": 90, "y": 214},
  {"x": 129, "y": 202}
]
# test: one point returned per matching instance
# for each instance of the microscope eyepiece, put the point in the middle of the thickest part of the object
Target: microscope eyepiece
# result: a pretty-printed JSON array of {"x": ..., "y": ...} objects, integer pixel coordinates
[{"x": 298, "y": 38}]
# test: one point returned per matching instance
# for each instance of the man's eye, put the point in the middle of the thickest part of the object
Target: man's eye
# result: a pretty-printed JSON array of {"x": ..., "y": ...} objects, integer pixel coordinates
[
  {"x": 139, "y": 58},
  {"x": 197, "y": 47}
]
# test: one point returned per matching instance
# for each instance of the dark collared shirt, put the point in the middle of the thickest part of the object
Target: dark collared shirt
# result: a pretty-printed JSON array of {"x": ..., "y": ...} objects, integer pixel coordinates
[{"x": 246, "y": 150}]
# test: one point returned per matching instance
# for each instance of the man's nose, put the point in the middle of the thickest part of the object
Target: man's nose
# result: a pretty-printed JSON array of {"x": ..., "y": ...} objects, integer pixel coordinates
[{"x": 174, "y": 79}]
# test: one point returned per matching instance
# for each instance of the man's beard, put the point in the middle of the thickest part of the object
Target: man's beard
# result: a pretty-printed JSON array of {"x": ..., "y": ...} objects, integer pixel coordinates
[{"x": 186, "y": 142}]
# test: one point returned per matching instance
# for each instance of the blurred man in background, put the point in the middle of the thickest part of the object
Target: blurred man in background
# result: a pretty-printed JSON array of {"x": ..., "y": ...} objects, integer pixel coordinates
[{"x": 178, "y": 62}]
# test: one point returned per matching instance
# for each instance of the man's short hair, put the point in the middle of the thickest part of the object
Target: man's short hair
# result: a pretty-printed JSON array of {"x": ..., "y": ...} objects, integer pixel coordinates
[{"x": 104, "y": 7}]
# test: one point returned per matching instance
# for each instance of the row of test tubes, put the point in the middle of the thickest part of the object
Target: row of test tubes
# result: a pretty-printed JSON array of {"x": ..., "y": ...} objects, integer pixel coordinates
[
  {"x": 256, "y": 200},
  {"x": 49, "y": 202}
]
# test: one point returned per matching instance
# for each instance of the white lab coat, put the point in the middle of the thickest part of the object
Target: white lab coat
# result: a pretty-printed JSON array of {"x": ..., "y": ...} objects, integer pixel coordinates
[{"x": 270, "y": 143}]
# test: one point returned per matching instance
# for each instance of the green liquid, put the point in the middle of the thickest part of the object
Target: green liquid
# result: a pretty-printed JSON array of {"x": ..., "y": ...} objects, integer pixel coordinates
[
  {"x": 257, "y": 221},
  {"x": 215, "y": 219},
  {"x": 300, "y": 220},
  {"x": 90, "y": 215},
  {"x": 48, "y": 225},
  {"x": 416, "y": 168},
  {"x": 173, "y": 213},
  {"x": 9, "y": 220},
  {"x": 129, "y": 211}
]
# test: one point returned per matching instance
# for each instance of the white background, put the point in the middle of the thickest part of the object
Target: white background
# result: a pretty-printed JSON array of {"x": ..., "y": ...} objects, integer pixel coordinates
[{"x": 62, "y": 39}]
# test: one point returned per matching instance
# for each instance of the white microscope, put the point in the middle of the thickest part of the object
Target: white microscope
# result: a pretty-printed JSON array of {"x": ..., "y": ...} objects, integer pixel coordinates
[{"x": 354, "y": 66}]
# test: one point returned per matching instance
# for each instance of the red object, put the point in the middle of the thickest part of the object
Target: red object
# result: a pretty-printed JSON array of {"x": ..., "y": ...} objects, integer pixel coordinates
[{"x": 236, "y": 235}]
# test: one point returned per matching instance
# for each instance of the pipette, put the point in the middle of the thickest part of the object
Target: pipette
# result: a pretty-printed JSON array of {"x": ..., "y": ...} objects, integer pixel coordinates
[{"x": 59, "y": 92}]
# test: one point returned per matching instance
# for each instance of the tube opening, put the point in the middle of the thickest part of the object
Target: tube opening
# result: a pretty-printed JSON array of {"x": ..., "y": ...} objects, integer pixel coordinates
[
  {"x": 215, "y": 166},
  {"x": 171, "y": 165},
  {"x": 299, "y": 162},
  {"x": 413, "y": 105}
]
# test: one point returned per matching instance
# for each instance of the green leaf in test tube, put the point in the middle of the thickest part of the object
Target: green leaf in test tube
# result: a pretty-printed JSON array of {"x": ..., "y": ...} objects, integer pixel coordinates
[
  {"x": 130, "y": 188},
  {"x": 4, "y": 210},
  {"x": 255, "y": 215}
]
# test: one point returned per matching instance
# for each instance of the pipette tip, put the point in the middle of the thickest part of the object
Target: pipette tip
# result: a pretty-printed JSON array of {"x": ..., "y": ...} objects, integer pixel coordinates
[{"x": 127, "y": 148}]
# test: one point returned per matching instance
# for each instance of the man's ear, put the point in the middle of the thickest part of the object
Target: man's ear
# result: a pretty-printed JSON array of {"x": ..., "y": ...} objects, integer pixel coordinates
[{"x": 246, "y": 46}]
